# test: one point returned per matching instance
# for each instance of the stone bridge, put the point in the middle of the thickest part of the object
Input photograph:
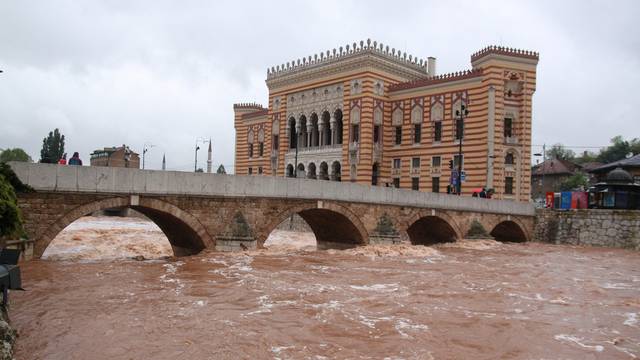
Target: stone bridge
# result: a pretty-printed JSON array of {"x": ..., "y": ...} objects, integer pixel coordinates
[{"x": 229, "y": 212}]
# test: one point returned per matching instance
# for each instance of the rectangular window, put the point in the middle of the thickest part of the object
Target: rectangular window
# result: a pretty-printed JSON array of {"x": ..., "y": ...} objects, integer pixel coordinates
[
  {"x": 437, "y": 131},
  {"x": 376, "y": 134},
  {"x": 508, "y": 185},
  {"x": 250, "y": 150},
  {"x": 417, "y": 133},
  {"x": 435, "y": 161},
  {"x": 396, "y": 183},
  {"x": 435, "y": 184},
  {"x": 259, "y": 169},
  {"x": 250, "y": 171},
  {"x": 398, "y": 135},
  {"x": 459, "y": 129},
  {"x": 415, "y": 183},
  {"x": 261, "y": 149},
  {"x": 396, "y": 163},
  {"x": 355, "y": 133},
  {"x": 276, "y": 142},
  {"x": 456, "y": 161},
  {"x": 508, "y": 127},
  {"x": 415, "y": 163}
]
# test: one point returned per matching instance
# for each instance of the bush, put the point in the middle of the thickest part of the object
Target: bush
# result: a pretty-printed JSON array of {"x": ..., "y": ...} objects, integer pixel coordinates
[{"x": 477, "y": 231}]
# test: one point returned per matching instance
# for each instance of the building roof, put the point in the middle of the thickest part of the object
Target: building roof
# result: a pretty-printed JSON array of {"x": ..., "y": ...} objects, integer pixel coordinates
[
  {"x": 631, "y": 162},
  {"x": 111, "y": 150},
  {"x": 588, "y": 166},
  {"x": 555, "y": 167}
]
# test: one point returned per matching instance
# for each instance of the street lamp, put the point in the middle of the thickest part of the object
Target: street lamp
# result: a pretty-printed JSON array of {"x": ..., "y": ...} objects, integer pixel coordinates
[
  {"x": 460, "y": 115},
  {"x": 544, "y": 148},
  {"x": 145, "y": 148},
  {"x": 198, "y": 140}
]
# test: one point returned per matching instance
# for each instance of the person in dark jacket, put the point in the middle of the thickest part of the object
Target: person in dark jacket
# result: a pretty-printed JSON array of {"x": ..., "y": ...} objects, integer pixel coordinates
[{"x": 75, "y": 159}]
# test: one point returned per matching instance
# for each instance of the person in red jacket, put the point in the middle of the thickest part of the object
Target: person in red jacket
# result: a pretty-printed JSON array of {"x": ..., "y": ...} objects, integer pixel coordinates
[{"x": 63, "y": 159}]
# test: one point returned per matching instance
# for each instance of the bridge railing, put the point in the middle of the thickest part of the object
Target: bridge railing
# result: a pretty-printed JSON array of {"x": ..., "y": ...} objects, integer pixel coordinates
[{"x": 96, "y": 179}]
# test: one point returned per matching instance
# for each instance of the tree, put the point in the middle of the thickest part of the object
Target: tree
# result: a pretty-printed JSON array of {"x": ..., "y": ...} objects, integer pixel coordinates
[
  {"x": 16, "y": 154},
  {"x": 10, "y": 216},
  {"x": 619, "y": 149},
  {"x": 575, "y": 182},
  {"x": 221, "y": 170},
  {"x": 558, "y": 151},
  {"x": 52, "y": 147}
]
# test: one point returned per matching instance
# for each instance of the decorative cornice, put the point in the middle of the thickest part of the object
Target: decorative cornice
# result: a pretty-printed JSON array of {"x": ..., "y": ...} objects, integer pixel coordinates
[
  {"x": 438, "y": 79},
  {"x": 501, "y": 50},
  {"x": 378, "y": 54}
]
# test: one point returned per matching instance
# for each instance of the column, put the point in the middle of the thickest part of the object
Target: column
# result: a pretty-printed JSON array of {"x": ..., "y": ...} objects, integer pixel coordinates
[
  {"x": 321, "y": 127},
  {"x": 332, "y": 123},
  {"x": 309, "y": 134}
]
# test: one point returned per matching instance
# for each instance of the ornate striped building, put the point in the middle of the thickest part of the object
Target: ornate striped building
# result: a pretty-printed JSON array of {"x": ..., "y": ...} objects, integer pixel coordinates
[{"x": 369, "y": 114}]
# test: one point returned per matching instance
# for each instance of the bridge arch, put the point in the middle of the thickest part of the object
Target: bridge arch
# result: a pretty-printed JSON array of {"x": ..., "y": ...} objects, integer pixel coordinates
[
  {"x": 510, "y": 230},
  {"x": 429, "y": 228},
  {"x": 184, "y": 231},
  {"x": 333, "y": 225}
]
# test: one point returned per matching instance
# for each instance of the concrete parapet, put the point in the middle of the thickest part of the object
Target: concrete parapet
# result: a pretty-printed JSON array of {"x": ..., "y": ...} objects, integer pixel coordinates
[{"x": 63, "y": 178}]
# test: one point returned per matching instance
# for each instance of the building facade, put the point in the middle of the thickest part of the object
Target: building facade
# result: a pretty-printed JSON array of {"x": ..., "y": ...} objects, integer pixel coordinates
[
  {"x": 369, "y": 114},
  {"x": 120, "y": 156}
]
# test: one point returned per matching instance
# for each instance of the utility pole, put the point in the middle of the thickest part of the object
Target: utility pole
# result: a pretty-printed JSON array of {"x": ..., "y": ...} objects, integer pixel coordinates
[{"x": 198, "y": 140}]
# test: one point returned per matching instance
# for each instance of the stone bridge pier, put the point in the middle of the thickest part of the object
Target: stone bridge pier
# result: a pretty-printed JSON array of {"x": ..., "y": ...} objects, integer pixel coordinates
[{"x": 226, "y": 212}]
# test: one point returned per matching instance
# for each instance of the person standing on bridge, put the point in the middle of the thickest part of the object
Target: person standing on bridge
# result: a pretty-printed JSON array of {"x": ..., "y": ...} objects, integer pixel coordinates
[
  {"x": 75, "y": 159},
  {"x": 63, "y": 159}
]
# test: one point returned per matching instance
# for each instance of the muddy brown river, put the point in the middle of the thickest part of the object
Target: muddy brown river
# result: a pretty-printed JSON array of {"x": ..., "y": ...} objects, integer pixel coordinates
[{"x": 481, "y": 300}]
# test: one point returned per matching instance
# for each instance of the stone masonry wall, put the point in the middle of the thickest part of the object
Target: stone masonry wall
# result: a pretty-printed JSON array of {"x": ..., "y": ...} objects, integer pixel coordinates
[{"x": 594, "y": 227}]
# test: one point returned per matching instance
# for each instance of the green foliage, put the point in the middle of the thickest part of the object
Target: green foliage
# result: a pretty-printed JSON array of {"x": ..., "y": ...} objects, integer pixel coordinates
[
  {"x": 558, "y": 151},
  {"x": 477, "y": 231},
  {"x": 619, "y": 149},
  {"x": 16, "y": 154},
  {"x": 577, "y": 181},
  {"x": 10, "y": 216},
  {"x": 52, "y": 147},
  {"x": 12, "y": 178},
  {"x": 221, "y": 170},
  {"x": 385, "y": 226},
  {"x": 586, "y": 157}
]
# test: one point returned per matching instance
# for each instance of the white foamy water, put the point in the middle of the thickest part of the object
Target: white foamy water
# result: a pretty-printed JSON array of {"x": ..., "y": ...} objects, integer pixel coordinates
[{"x": 472, "y": 299}]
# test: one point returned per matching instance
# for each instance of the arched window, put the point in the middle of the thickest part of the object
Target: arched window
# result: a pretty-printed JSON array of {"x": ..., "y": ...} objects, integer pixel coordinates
[
  {"x": 509, "y": 159},
  {"x": 338, "y": 116},
  {"x": 292, "y": 133}
]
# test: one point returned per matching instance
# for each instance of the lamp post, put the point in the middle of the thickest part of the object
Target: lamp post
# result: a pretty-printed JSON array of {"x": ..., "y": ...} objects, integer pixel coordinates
[
  {"x": 198, "y": 140},
  {"x": 543, "y": 167},
  {"x": 145, "y": 148},
  {"x": 460, "y": 115}
]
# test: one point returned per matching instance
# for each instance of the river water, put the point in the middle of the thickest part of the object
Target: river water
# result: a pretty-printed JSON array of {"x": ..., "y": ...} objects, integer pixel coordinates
[{"x": 472, "y": 300}]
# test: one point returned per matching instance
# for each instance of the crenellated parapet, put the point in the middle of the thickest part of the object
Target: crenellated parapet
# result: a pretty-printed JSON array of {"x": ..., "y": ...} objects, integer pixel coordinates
[
  {"x": 501, "y": 50},
  {"x": 419, "y": 67},
  {"x": 438, "y": 79},
  {"x": 248, "y": 106}
]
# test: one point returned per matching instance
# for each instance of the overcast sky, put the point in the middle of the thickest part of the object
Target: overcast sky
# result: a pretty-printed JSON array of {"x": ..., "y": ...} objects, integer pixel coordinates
[{"x": 167, "y": 72}]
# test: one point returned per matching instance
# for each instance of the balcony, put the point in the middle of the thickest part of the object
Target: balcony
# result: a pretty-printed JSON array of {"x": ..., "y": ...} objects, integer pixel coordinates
[
  {"x": 395, "y": 171},
  {"x": 315, "y": 149},
  {"x": 414, "y": 171},
  {"x": 436, "y": 170}
]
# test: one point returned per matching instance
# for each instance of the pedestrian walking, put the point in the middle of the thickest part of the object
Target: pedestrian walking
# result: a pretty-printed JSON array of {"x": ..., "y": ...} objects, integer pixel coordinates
[{"x": 75, "y": 159}]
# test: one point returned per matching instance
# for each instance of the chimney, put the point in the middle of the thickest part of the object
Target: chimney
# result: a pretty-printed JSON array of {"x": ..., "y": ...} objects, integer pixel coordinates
[{"x": 431, "y": 66}]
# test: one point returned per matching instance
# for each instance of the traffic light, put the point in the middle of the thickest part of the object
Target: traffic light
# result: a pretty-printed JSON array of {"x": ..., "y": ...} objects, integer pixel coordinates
[{"x": 450, "y": 164}]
